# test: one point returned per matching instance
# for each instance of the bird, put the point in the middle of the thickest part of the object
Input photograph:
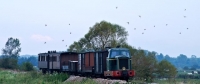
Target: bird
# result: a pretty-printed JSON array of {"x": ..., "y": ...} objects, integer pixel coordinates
[
  {"x": 144, "y": 29},
  {"x": 139, "y": 16},
  {"x": 184, "y": 16},
  {"x": 134, "y": 28},
  {"x": 154, "y": 26},
  {"x": 66, "y": 45},
  {"x": 166, "y": 24},
  {"x": 142, "y": 32},
  {"x": 44, "y": 42},
  {"x": 45, "y": 24},
  {"x": 69, "y": 24},
  {"x": 62, "y": 40},
  {"x": 180, "y": 33},
  {"x": 185, "y": 9},
  {"x": 127, "y": 22},
  {"x": 187, "y": 28},
  {"x": 70, "y": 32},
  {"x": 116, "y": 7}
]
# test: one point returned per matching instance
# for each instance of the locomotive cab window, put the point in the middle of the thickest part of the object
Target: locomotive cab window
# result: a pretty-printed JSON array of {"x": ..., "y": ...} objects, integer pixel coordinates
[{"x": 121, "y": 53}]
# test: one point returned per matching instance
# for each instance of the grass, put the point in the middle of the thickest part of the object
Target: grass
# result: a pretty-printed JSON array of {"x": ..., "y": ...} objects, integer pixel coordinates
[{"x": 33, "y": 77}]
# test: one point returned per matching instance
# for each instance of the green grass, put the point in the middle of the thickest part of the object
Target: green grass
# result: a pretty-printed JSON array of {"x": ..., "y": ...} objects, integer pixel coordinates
[
  {"x": 33, "y": 77},
  {"x": 8, "y": 77}
]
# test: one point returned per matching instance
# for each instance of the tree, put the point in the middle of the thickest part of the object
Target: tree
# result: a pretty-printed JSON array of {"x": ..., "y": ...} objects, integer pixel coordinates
[
  {"x": 160, "y": 57},
  {"x": 144, "y": 63},
  {"x": 166, "y": 69},
  {"x": 11, "y": 53},
  {"x": 99, "y": 36},
  {"x": 12, "y": 48}
]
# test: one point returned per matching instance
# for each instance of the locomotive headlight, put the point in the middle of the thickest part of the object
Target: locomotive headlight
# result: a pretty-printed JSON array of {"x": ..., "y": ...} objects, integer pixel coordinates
[{"x": 123, "y": 68}]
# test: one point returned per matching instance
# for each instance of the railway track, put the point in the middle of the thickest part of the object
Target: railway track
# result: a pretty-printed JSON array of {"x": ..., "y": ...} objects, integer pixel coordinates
[{"x": 74, "y": 78}]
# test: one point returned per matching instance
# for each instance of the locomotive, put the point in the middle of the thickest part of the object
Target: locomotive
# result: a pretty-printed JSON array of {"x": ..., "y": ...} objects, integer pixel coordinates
[{"x": 108, "y": 63}]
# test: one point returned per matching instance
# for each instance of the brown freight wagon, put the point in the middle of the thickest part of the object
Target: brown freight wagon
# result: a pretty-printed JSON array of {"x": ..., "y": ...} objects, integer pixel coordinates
[
  {"x": 93, "y": 62},
  {"x": 87, "y": 61},
  {"x": 66, "y": 57}
]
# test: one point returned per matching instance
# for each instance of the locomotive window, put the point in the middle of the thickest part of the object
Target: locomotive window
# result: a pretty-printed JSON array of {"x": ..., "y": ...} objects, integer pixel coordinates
[{"x": 119, "y": 52}]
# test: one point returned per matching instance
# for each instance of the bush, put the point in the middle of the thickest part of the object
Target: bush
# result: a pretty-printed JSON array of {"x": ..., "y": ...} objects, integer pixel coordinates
[
  {"x": 8, "y": 63},
  {"x": 27, "y": 66}
]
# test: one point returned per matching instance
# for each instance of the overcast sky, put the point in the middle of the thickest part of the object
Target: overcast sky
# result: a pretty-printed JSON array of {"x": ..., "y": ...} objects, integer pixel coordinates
[{"x": 26, "y": 19}]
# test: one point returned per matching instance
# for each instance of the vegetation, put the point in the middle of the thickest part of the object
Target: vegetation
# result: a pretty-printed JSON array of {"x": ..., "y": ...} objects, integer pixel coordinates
[
  {"x": 101, "y": 35},
  {"x": 166, "y": 70},
  {"x": 181, "y": 61},
  {"x": 10, "y": 54},
  {"x": 27, "y": 66},
  {"x": 33, "y": 77}
]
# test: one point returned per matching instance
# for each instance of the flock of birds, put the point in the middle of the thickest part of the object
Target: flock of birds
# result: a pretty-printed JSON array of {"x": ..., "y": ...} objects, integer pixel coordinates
[
  {"x": 154, "y": 25},
  {"x": 127, "y": 23},
  {"x": 62, "y": 40}
]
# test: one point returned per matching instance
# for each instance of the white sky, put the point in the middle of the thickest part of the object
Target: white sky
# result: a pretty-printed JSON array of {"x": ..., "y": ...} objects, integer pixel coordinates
[{"x": 26, "y": 19}]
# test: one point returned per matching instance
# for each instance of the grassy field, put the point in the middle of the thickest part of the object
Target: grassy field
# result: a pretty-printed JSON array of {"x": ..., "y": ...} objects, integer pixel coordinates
[
  {"x": 33, "y": 77},
  {"x": 14, "y": 77}
]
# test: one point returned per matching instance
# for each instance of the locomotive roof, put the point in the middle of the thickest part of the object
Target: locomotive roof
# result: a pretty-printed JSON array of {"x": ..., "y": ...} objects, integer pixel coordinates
[{"x": 119, "y": 49}]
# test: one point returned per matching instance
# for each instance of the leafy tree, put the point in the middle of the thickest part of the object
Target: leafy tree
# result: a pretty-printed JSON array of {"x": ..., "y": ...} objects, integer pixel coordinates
[
  {"x": 11, "y": 53},
  {"x": 12, "y": 48},
  {"x": 99, "y": 36},
  {"x": 166, "y": 69},
  {"x": 145, "y": 64},
  {"x": 160, "y": 57}
]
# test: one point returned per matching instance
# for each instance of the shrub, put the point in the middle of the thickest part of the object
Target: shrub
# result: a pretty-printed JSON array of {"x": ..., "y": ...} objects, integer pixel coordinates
[
  {"x": 8, "y": 63},
  {"x": 27, "y": 66}
]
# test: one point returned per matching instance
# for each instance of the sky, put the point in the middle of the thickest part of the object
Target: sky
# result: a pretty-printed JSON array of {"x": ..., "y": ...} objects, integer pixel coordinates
[{"x": 26, "y": 19}]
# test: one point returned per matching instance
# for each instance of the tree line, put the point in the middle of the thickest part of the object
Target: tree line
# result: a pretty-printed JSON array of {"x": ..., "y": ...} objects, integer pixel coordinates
[{"x": 181, "y": 62}]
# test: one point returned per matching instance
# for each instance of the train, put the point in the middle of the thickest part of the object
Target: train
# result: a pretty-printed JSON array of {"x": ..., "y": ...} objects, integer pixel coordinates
[{"x": 107, "y": 63}]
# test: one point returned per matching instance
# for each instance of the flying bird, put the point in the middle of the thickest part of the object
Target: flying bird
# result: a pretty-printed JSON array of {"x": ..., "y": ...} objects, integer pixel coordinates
[
  {"x": 142, "y": 33},
  {"x": 185, "y": 9},
  {"x": 184, "y": 16},
  {"x": 69, "y": 24},
  {"x": 62, "y": 40},
  {"x": 44, "y": 42},
  {"x": 134, "y": 28},
  {"x": 127, "y": 22},
  {"x": 144, "y": 29},
  {"x": 166, "y": 24},
  {"x": 180, "y": 33},
  {"x": 139, "y": 16},
  {"x": 45, "y": 24},
  {"x": 70, "y": 32},
  {"x": 154, "y": 26},
  {"x": 116, "y": 7},
  {"x": 187, "y": 28}
]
